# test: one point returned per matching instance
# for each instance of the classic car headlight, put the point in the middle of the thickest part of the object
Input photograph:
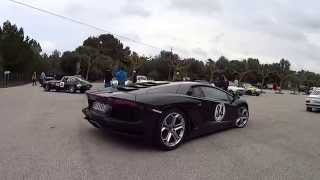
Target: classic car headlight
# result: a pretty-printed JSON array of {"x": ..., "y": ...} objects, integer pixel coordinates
[{"x": 78, "y": 85}]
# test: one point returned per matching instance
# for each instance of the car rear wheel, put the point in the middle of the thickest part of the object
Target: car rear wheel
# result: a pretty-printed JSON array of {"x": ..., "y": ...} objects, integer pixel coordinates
[
  {"x": 309, "y": 109},
  {"x": 171, "y": 130},
  {"x": 47, "y": 87},
  {"x": 243, "y": 118},
  {"x": 82, "y": 91}
]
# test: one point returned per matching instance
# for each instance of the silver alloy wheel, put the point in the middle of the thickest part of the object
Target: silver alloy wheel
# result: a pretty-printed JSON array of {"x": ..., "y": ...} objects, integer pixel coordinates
[
  {"x": 243, "y": 119},
  {"x": 172, "y": 129}
]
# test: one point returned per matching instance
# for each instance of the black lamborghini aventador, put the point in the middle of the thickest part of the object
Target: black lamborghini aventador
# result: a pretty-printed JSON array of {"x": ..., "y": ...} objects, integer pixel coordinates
[{"x": 167, "y": 114}]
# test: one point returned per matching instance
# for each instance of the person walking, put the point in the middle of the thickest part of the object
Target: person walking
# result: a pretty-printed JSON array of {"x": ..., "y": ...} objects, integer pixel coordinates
[
  {"x": 122, "y": 77},
  {"x": 226, "y": 83},
  {"x": 34, "y": 79},
  {"x": 107, "y": 78}
]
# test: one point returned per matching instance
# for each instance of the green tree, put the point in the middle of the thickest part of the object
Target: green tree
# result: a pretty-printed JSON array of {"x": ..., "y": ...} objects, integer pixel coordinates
[
  {"x": 68, "y": 62},
  {"x": 222, "y": 63},
  {"x": 13, "y": 40}
]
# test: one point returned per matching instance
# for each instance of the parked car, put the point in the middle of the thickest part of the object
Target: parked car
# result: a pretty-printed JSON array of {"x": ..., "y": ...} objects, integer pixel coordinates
[
  {"x": 68, "y": 84},
  {"x": 252, "y": 90},
  {"x": 141, "y": 78},
  {"x": 167, "y": 114},
  {"x": 237, "y": 90},
  {"x": 313, "y": 100}
]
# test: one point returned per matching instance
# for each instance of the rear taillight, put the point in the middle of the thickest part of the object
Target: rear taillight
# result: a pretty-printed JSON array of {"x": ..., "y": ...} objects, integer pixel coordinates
[{"x": 120, "y": 102}]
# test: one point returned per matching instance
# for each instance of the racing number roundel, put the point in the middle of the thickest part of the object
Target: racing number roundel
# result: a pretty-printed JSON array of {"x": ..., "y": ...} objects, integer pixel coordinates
[
  {"x": 61, "y": 84},
  {"x": 220, "y": 112}
]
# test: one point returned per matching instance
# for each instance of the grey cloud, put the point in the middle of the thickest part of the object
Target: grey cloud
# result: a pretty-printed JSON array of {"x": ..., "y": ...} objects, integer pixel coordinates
[
  {"x": 133, "y": 8},
  {"x": 74, "y": 9},
  {"x": 277, "y": 27},
  {"x": 199, "y": 52},
  {"x": 288, "y": 34},
  {"x": 218, "y": 38},
  {"x": 307, "y": 22},
  {"x": 197, "y": 6}
]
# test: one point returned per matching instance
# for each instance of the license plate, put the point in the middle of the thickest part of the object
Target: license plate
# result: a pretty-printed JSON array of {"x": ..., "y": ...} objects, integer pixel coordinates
[{"x": 101, "y": 107}]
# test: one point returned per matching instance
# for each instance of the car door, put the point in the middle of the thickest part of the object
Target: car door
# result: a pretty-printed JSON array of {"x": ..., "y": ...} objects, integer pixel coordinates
[
  {"x": 64, "y": 83},
  {"x": 217, "y": 108},
  {"x": 60, "y": 84}
]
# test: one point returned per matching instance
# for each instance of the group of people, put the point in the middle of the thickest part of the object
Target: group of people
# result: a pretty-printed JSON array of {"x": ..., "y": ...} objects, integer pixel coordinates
[
  {"x": 34, "y": 78},
  {"x": 121, "y": 76}
]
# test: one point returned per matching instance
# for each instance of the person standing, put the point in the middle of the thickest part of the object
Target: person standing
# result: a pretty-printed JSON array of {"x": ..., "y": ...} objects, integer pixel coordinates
[
  {"x": 134, "y": 77},
  {"x": 107, "y": 78},
  {"x": 34, "y": 79},
  {"x": 219, "y": 82},
  {"x": 122, "y": 77},
  {"x": 42, "y": 78},
  {"x": 226, "y": 83}
]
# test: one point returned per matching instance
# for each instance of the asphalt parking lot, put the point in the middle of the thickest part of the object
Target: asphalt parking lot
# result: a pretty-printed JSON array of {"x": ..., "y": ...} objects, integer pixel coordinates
[{"x": 44, "y": 136}]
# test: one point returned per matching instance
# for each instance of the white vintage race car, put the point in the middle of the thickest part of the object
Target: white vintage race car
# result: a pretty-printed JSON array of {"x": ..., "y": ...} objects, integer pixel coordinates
[
  {"x": 313, "y": 100},
  {"x": 237, "y": 90}
]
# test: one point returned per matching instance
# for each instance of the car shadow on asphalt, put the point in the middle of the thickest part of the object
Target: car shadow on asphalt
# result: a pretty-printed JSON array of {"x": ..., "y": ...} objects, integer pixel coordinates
[
  {"x": 135, "y": 143},
  {"x": 121, "y": 141}
]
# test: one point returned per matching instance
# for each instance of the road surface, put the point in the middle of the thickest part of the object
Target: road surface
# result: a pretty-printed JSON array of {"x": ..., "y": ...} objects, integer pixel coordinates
[{"x": 43, "y": 136}]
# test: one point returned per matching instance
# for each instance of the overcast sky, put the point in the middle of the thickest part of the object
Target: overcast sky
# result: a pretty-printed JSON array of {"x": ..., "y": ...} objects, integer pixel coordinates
[{"x": 268, "y": 30}]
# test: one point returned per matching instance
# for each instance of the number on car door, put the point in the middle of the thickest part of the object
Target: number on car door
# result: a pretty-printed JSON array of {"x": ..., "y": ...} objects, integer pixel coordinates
[{"x": 216, "y": 107}]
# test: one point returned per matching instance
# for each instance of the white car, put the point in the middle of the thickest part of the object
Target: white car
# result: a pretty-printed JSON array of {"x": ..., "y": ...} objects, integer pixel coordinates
[
  {"x": 313, "y": 100},
  {"x": 237, "y": 90},
  {"x": 252, "y": 90},
  {"x": 142, "y": 79}
]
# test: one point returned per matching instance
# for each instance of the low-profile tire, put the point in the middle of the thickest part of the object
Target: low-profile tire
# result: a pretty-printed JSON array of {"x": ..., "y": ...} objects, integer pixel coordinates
[
  {"x": 171, "y": 130},
  {"x": 243, "y": 117},
  {"x": 72, "y": 89},
  {"x": 309, "y": 109},
  {"x": 47, "y": 87}
]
